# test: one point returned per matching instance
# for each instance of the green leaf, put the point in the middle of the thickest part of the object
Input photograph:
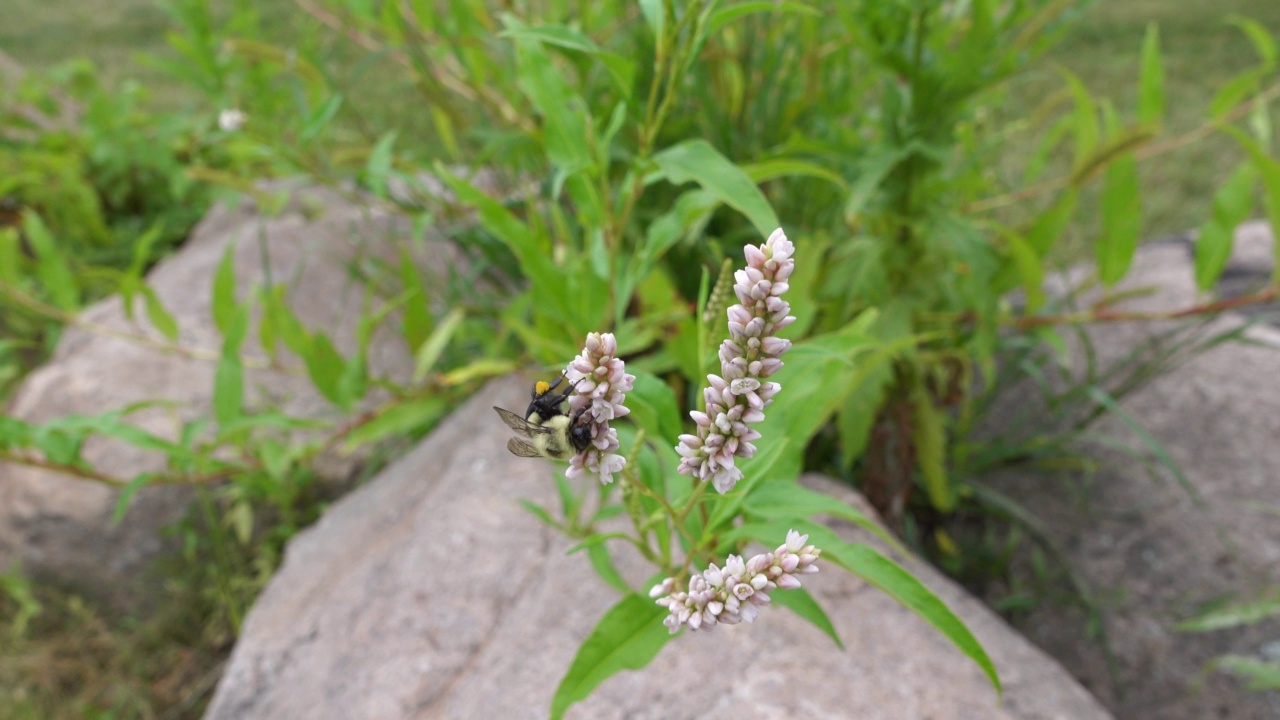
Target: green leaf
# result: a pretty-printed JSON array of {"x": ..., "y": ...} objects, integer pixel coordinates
[
  {"x": 1030, "y": 271},
  {"x": 378, "y": 167},
  {"x": 780, "y": 500},
  {"x": 131, "y": 280},
  {"x": 557, "y": 35},
  {"x": 51, "y": 265},
  {"x": 1049, "y": 226},
  {"x": 548, "y": 283},
  {"x": 400, "y": 419},
  {"x": 1269, "y": 169},
  {"x": 655, "y": 16},
  {"x": 563, "y": 113},
  {"x": 10, "y": 258},
  {"x": 621, "y": 69},
  {"x": 228, "y": 381},
  {"x": 1258, "y": 674},
  {"x": 1233, "y": 615},
  {"x": 724, "y": 16},
  {"x": 1085, "y": 118},
  {"x": 320, "y": 119},
  {"x": 603, "y": 564},
  {"x": 1232, "y": 93},
  {"x": 427, "y": 356},
  {"x": 539, "y": 512},
  {"x": 896, "y": 582},
  {"x": 325, "y": 367},
  {"x": 1104, "y": 399},
  {"x": 1231, "y": 206},
  {"x": 628, "y": 637},
  {"x": 654, "y": 408},
  {"x": 224, "y": 291},
  {"x": 417, "y": 313},
  {"x": 126, "y": 495},
  {"x": 699, "y": 161},
  {"x": 1260, "y": 37},
  {"x": 929, "y": 438},
  {"x": 160, "y": 318},
  {"x": 800, "y": 602},
  {"x": 1121, "y": 220},
  {"x": 789, "y": 167},
  {"x": 1151, "y": 82},
  {"x": 872, "y": 171},
  {"x": 859, "y": 411}
]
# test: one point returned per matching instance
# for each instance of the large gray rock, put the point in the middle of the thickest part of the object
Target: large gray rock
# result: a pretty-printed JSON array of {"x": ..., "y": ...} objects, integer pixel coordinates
[
  {"x": 59, "y": 526},
  {"x": 429, "y": 593},
  {"x": 1152, "y": 553}
]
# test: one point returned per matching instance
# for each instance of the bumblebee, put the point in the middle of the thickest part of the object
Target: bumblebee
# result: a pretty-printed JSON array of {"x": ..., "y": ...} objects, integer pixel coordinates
[{"x": 549, "y": 431}]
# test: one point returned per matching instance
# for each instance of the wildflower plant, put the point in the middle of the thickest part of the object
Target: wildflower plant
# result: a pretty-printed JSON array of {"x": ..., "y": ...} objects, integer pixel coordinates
[{"x": 695, "y": 505}]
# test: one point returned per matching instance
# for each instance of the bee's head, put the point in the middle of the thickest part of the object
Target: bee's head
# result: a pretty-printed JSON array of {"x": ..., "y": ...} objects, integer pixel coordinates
[{"x": 546, "y": 401}]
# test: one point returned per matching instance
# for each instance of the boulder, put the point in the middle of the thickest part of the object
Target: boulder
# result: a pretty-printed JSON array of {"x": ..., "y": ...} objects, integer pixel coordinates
[
  {"x": 60, "y": 527},
  {"x": 1156, "y": 553},
  {"x": 430, "y": 593}
]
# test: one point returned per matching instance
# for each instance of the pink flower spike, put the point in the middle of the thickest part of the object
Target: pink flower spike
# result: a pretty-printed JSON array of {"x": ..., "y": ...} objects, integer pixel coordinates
[{"x": 737, "y": 397}]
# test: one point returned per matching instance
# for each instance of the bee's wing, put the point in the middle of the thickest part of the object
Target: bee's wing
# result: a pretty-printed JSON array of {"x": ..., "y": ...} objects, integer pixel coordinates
[
  {"x": 520, "y": 425},
  {"x": 522, "y": 448}
]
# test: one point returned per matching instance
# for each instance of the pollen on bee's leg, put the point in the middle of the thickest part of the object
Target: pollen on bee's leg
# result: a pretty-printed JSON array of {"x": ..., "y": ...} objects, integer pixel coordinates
[{"x": 541, "y": 387}]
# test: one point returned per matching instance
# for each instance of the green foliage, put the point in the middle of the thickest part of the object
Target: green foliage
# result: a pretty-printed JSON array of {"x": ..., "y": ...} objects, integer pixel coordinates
[
  {"x": 1259, "y": 675},
  {"x": 624, "y": 161}
]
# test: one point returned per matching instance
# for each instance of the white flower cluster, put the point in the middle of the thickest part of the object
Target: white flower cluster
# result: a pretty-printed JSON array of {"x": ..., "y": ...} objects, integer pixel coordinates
[
  {"x": 736, "y": 592},
  {"x": 600, "y": 383},
  {"x": 737, "y": 398}
]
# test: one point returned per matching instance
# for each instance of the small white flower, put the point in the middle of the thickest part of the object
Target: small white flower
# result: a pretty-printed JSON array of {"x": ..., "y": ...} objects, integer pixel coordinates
[{"x": 232, "y": 120}]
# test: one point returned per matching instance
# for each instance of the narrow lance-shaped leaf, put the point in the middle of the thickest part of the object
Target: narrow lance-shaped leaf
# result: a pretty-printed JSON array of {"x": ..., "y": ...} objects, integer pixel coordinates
[
  {"x": 1085, "y": 118},
  {"x": 161, "y": 319},
  {"x": 867, "y": 563},
  {"x": 1269, "y": 168},
  {"x": 224, "y": 291},
  {"x": 699, "y": 161},
  {"x": 228, "y": 382},
  {"x": 929, "y": 437},
  {"x": 800, "y": 602},
  {"x": 1121, "y": 220},
  {"x": 51, "y": 265},
  {"x": 1050, "y": 225},
  {"x": 1151, "y": 82},
  {"x": 628, "y": 637},
  {"x": 1231, "y": 205},
  {"x": 1030, "y": 271}
]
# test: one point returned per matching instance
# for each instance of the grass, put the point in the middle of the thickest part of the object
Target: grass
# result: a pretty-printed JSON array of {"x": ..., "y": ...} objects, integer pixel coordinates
[{"x": 1201, "y": 52}]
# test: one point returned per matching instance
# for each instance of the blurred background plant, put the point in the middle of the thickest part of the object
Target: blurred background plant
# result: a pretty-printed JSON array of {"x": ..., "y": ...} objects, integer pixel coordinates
[{"x": 929, "y": 158}]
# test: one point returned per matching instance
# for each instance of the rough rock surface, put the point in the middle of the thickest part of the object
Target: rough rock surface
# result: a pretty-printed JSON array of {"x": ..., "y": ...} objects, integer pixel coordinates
[
  {"x": 429, "y": 593},
  {"x": 58, "y": 526},
  {"x": 1153, "y": 556}
]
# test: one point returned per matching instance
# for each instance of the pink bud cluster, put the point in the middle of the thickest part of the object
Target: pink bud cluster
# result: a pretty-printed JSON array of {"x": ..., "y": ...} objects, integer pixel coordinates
[
  {"x": 736, "y": 592},
  {"x": 737, "y": 398},
  {"x": 600, "y": 383}
]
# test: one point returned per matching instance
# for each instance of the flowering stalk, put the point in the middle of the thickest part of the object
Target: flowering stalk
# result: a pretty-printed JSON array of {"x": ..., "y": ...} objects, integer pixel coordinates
[
  {"x": 737, "y": 591},
  {"x": 737, "y": 397},
  {"x": 600, "y": 383}
]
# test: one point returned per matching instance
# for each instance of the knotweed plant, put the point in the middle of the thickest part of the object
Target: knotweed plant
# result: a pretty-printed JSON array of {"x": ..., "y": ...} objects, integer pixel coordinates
[{"x": 694, "y": 537}]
